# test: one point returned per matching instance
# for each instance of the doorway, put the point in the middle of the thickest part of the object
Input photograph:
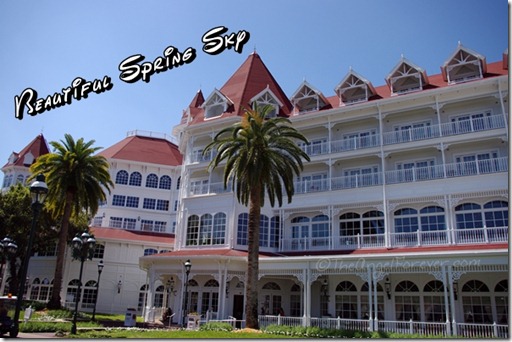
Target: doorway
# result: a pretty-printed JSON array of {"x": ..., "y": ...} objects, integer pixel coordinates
[{"x": 238, "y": 309}]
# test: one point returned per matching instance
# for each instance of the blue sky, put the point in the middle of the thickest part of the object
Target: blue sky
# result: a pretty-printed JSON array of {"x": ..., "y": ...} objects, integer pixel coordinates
[{"x": 47, "y": 44}]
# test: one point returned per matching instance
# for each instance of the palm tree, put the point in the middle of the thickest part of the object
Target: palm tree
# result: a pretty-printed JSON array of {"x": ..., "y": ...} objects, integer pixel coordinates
[
  {"x": 76, "y": 179},
  {"x": 262, "y": 156}
]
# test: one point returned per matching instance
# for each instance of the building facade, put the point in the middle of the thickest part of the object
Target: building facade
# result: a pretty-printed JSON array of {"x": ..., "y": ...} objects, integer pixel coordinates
[
  {"x": 401, "y": 216},
  {"x": 398, "y": 223}
]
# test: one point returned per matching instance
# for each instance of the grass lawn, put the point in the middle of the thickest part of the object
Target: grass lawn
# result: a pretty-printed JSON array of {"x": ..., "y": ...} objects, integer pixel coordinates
[{"x": 178, "y": 334}]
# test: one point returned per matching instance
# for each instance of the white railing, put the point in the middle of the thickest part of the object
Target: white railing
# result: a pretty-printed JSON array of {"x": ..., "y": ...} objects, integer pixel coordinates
[
  {"x": 356, "y": 181},
  {"x": 464, "y": 169},
  {"x": 355, "y": 143},
  {"x": 403, "y": 239},
  {"x": 473, "y": 125},
  {"x": 412, "y": 327},
  {"x": 472, "y": 330},
  {"x": 411, "y": 134}
]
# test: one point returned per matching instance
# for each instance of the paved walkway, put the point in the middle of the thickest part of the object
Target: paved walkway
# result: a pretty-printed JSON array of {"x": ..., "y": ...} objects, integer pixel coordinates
[{"x": 34, "y": 335}]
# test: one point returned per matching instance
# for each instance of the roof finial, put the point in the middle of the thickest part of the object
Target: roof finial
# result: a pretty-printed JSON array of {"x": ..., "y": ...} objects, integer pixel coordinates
[
  {"x": 254, "y": 52},
  {"x": 350, "y": 68},
  {"x": 402, "y": 56},
  {"x": 459, "y": 43}
]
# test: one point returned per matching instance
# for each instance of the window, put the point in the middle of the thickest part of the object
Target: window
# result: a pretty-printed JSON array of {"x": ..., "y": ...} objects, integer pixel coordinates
[
  {"x": 362, "y": 139},
  {"x": 129, "y": 223},
  {"x": 90, "y": 293},
  {"x": 365, "y": 306},
  {"x": 274, "y": 232},
  {"x": 132, "y": 202},
  {"x": 405, "y": 78},
  {"x": 122, "y": 177},
  {"x": 205, "y": 230},
  {"x": 72, "y": 293},
  {"x": 371, "y": 222},
  {"x": 210, "y": 298},
  {"x": 242, "y": 231},
  {"x": 143, "y": 300},
  {"x": 501, "y": 299},
  {"x": 346, "y": 300},
  {"x": 152, "y": 181},
  {"x": 135, "y": 179},
  {"x": 407, "y": 301},
  {"x": 192, "y": 230},
  {"x": 415, "y": 171},
  {"x": 116, "y": 222},
  {"x": 295, "y": 301},
  {"x": 307, "y": 99},
  {"x": 406, "y": 220},
  {"x": 99, "y": 251},
  {"x": 158, "y": 299},
  {"x": 320, "y": 230},
  {"x": 160, "y": 226},
  {"x": 478, "y": 163},
  {"x": 176, "y": 203},
  {"x": 149, "y": 203},
  {"x": 150, "y": 251},
  {"x": 219, "y": 229},
  {"x": 267, "y": 98},
  {"x": 433, "y": 301},
  {"x": 147, "y": 225},
  {"x": 119, "y": 200},
  {"x": 467, "y": 123},
  {"x": 354, "y": 89},
  {"x": 162, "y": 205},
  {"x": 432, "y": 219},
  {"x": 476, "y": 302},
  {"x": 361, "y": 177},
  {"x": 165, "y": 183},
  {"x": 263, "y": 230},
  {"x": 178, "y": 183},
  {"x": 215, "y": 105},
  {"x": 463, "y": 65},
  {"x": 413, "y": 131}
]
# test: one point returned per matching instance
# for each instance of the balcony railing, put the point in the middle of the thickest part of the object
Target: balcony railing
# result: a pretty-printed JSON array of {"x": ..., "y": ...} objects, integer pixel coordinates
[
  {"x": 481, "y": 235},
  {"x": 389, "y": 138},
  {"x": 463, "y": 169}
]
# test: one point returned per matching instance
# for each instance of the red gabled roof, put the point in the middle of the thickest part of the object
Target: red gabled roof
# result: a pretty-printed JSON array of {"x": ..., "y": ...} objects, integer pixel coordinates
[
  {"x": 36, "y": 147},
  {"x": 146, "y": 150},
  {"x": 250, "y": 79},
  {"x": 131, "y": 235}
]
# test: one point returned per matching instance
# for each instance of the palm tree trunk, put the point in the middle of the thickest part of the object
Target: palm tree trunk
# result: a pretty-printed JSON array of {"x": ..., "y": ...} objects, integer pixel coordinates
[
  {"x": 55, "y": 301},
  {"x": 253, "y": 245}
]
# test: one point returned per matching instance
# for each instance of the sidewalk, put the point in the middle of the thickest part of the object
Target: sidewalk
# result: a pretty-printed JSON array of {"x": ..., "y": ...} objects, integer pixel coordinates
[{"x": 34, "y": 335}]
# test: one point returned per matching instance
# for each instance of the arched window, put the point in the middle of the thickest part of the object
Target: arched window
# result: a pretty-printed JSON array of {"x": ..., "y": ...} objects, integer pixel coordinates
[
  {"x": 71, "y": 293},
  {"x": 468, "y": 216},
  {"x": 476, "y": 302},
  {"x": 271, "y": 286},
  {"x": 407, "y": 301},
  {"x": 135, "y": 179},
  {"x": 273, "y": 299},
  {"x": 300, "y": 232},
  {"x": 150, "y": 251},
  {"x": 34, "y": 291},
  {"x": 122, "y": 177},
  {"x": 158, "y": 301},
  {"x": 165, "y": 183},
  {"x": 496, "y": 214},
  {"x": 433, "y": 301},
  {"x": 264, "y": 230},
  {"x": 210, "y": 297},
  {"x": 432, "y": 219},
  {"x": 192, "y": 230},
  {"x": 243, "y": 227},
  {"x": 90, "y": 294},
  {"x": 178, "y": 183},
  {"x": 211, "y": 283},
  {"x": 219, "y": 229},
  {"x": 373, "y": 222},
  {"x": 295, "y": 301},
  {"x": 406, "y": 220},
  {"x": 152, "y": 181},
  {"x": 205, "y": 230},
  {"x": 143, "y": 300},
  {"x": 346, "y": 300},
  {"x": 501, "y": 299}
]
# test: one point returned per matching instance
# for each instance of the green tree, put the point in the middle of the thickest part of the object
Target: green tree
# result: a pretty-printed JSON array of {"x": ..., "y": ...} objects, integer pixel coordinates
[
  {"x": 262, "y": 156},
  {"x": 76, "y": 180}
]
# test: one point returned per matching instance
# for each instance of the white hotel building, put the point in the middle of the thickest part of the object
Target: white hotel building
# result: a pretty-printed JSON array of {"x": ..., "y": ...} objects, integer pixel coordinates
[{"x": 398, "y": 223}]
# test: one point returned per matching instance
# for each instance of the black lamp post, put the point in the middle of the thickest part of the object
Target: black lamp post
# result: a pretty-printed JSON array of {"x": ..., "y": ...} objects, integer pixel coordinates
[
  {"x": 100, "y": 268},
  {"x": 38, "y": 191},
  {"x": 7, "y": 248},
  {"x": 83, "y": 249},
  {"x": 188, "y": 266}
]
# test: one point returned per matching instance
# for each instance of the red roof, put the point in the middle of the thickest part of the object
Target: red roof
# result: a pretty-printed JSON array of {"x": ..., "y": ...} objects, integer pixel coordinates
[
  {"x": 146, "y": 150},
  {"x": 132, "y": 235},
  {"x": 36, "y": 147},
  {"x": 251, "y": 78}
]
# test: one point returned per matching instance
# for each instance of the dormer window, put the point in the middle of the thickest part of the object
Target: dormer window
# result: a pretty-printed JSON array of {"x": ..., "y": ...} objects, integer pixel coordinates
[
  {"x": 406, "y": 78},
  {"x": 308, "y": 99},
  {"x": 267, "y": 98},
  {"x": 28, "y": 159},
  {"x": 215, "y": 105},
  {"x": 354, "y": 89},
  {"x": 13, "y": 158},
  {"x": 464, "y": 65}
]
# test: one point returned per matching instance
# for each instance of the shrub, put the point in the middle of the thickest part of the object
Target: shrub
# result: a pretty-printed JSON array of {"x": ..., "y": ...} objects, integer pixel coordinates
[{"x": 216, "y": 326}]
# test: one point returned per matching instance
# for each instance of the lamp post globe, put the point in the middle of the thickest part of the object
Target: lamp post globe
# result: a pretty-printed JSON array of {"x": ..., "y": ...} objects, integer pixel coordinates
[{"x": 38, "y": 192}]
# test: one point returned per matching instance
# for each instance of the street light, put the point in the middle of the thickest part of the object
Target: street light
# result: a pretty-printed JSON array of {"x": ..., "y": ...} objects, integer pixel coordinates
[
  {"x": 188, "y": 266},
  {"x": 7, "y": 248},
  {"x": 83, "y": 249},
  {"x": 100, "y": 268},
  {"x": 38, "y": 192}
]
